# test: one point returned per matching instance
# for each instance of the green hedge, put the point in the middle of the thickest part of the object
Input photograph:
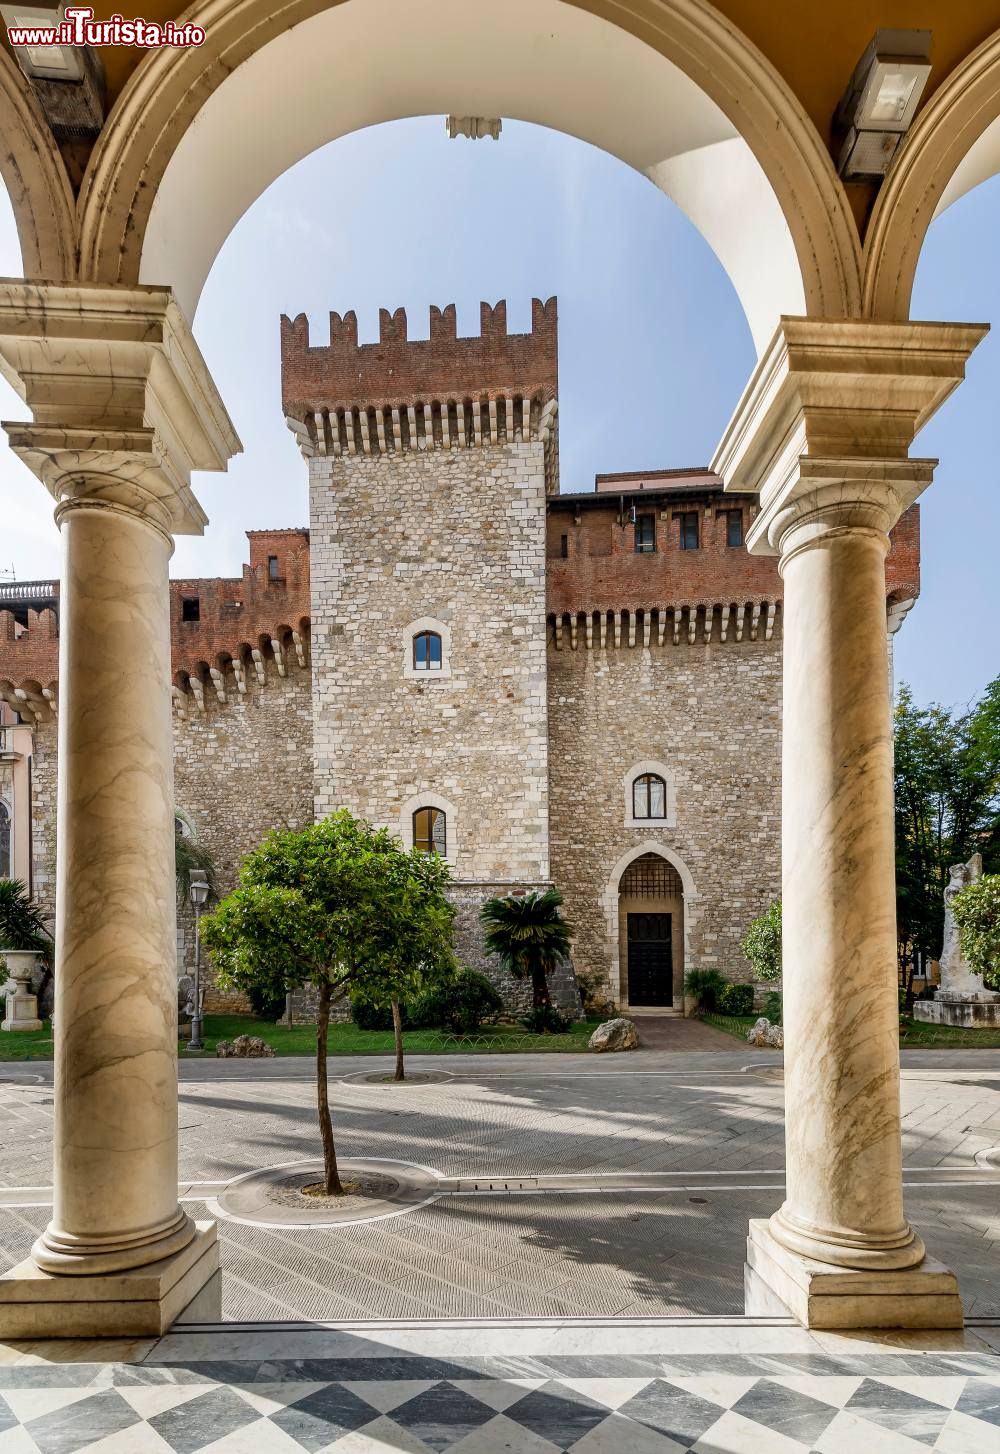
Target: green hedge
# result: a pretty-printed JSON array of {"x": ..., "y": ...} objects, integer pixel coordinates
[{"x": 735, "y": 999}]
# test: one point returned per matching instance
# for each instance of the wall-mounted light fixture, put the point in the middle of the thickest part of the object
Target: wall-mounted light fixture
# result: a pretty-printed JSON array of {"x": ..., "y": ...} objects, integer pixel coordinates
[
  {"x": 881, "y": 101},
  {"x": 42, "y": 62},
  {"x": 67, "y": 79}
]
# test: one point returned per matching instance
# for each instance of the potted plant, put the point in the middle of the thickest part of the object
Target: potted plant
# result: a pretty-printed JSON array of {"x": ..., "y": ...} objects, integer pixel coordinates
[{"x": 23, "y": 942}]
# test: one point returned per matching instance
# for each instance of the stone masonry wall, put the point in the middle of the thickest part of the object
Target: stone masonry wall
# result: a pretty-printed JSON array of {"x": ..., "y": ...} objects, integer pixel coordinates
[
  {"x": 711, "y": 714},
  {"x": 457, "y": 537},
  {"x": 240, "y": 769}
]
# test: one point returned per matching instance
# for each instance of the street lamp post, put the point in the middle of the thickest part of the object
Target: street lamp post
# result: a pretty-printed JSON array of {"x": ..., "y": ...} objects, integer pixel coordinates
[{"x": 198, "y": 890}]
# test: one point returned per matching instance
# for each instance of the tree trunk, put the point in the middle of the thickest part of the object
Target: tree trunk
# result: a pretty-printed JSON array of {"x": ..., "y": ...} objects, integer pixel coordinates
[
  {"x": 539, "y": 988},
  {"x": 330, "y": 1172},
  {"x": 397, "y": 1030}
]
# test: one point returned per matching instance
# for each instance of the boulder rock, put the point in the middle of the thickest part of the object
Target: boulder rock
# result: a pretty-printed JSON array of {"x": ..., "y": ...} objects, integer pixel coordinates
[
  {"x": 617, "y": 1034},
  {"x": 766, "y": 1036},
  {"x": 244, "y": 1047}
]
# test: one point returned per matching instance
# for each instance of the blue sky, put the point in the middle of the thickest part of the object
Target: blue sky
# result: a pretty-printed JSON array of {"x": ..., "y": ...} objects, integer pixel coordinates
[{"x": 654, "y": 348}]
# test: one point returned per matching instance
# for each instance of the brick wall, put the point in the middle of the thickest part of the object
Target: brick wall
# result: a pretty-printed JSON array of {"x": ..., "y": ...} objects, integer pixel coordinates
[{"x": 603, "y": 571}]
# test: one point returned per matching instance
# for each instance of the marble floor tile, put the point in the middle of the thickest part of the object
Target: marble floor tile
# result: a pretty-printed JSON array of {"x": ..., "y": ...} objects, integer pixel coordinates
[
  {"x": 786, "y": 1411},
  {"x": 673, "y": 1411},
  {"x": 443, "y": 1415},
  {"x": 189, "y": 1427},
  {"x": 904, "y": 1413},
  {"x": 74, "y": 1426}
]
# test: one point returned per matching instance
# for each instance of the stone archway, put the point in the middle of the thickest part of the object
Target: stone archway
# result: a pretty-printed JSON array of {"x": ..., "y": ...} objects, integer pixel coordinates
[
  {"x": 709, "y": 121},
  {"x": 36, "y": 180},
  {"x": 650, "y": 878}
]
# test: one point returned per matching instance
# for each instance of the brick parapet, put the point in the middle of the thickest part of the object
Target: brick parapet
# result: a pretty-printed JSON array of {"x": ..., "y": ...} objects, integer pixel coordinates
[
  {"x": 397, "y": 371},
  {"x": 603, "y": 571},
  {"x": 235, "y": 616}
]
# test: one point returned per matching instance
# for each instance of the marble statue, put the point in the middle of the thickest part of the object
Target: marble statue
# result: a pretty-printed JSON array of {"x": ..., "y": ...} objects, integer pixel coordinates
[
  {"x": 958, "y": 980},
  {"x": 962, "y": 999}
]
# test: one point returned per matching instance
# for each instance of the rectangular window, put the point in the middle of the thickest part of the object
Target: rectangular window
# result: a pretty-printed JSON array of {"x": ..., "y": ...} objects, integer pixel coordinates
[
  {"x": 734, "y": 528},
  {"x": 645, "y": 534},
  {"x": 689, "y": 529},
  {"x": 273, "y": 573},
  {"x": 564, "y": 547},
  {"x": 190, "y": 608}
]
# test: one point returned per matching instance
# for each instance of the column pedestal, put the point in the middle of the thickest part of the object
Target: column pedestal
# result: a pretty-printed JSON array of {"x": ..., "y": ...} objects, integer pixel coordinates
[
  {"x": 780, "y": 1283},
  {"x": 139, "y": 1302}
]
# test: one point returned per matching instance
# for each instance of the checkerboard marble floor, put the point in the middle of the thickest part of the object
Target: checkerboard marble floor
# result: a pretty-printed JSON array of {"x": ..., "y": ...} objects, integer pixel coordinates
[{"x": 593, "y": 1388}]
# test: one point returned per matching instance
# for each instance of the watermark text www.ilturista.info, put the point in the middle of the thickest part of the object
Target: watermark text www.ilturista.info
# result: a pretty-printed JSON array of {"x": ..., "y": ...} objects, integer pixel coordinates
[{"x": 78, "y": 27}]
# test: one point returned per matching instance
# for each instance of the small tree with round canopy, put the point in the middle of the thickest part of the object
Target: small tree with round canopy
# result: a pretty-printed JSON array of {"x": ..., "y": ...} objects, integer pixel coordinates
[
  {"x": 418, "y": 938},
  {"x": 331, "y": 906}
]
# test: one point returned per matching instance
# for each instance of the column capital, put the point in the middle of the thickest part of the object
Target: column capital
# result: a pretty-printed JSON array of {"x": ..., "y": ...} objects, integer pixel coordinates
[
  {"x": 123, "y": 404},
  {"x": 825, "y": 424}
]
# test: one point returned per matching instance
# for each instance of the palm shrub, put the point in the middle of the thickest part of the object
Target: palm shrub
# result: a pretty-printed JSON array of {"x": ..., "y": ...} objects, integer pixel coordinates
[
  {"x": 529, "y": 936},
  {"x": 189, "y": 854},
  {"x": 21, "y": 922},
  {"x": 705, "y": 986},
  {"x": 762, "y": 943}
]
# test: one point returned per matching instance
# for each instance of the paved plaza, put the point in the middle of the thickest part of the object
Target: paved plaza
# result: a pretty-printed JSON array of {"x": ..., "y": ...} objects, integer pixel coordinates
[
  {"x": 573, "y": 1281},
  {"x": 564, "y": 1186}
]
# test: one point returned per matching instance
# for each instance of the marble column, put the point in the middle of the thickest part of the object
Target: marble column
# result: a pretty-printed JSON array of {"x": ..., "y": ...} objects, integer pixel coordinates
[
  {"x": 822, "y": 434},
  {"x": 844, "y": 1201},
  {"x": 123, "y": 410},
  {"x": 116, "y": 999}
]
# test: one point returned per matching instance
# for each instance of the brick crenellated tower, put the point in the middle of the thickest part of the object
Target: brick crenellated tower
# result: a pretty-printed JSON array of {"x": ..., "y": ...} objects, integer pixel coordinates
[{"x": 429, "y": 465}]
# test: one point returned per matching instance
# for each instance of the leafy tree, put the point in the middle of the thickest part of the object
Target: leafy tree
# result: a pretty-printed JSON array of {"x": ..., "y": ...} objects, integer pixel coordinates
[
  {"x": 419, "y": 928},
  {"x": 529, "y": 936},
  {"x": 326, "y": 906},
  {"x": 947, "y": 780},
  {"x": 977, "y": 913},
  {"x": 762, "y": 943}
]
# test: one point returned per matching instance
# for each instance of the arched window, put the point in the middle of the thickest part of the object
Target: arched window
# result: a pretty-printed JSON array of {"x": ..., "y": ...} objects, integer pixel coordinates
[
  {"x": 5, "y": 864},
  {"x": 430, "y": 831},
  {"x": 649, "y": 796},
  {"x": 427, "y": 651}
]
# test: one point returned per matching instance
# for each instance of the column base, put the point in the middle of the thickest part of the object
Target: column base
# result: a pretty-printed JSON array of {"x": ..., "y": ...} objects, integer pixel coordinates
[
  {"x": 140, "y": 1302},
  {"x": 778, "y": 1282}
]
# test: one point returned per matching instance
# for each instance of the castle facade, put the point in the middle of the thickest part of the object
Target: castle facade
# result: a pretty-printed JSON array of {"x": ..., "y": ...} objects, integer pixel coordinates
[{"x": 572, "y": 688}]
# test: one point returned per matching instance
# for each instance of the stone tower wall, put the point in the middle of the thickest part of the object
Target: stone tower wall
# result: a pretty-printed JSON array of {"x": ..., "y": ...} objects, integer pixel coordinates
[
  {"x": 711, "y": 715},
  {"x": 457, "y": 539}
]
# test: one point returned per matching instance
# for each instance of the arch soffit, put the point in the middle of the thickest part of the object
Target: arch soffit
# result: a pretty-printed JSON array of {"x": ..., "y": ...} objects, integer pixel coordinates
[
  {"x": 166, "y": 92},
  {"x": 36, "y": 180},
  {"x": 927, "y": 177}
]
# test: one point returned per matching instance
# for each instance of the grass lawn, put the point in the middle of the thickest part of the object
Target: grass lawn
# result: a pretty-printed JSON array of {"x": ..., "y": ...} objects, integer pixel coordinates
[
  {"x": 912, "y": 1035},
  {"x": 27, "y": 1044},
  {"x": 347, "y": 1039}
]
